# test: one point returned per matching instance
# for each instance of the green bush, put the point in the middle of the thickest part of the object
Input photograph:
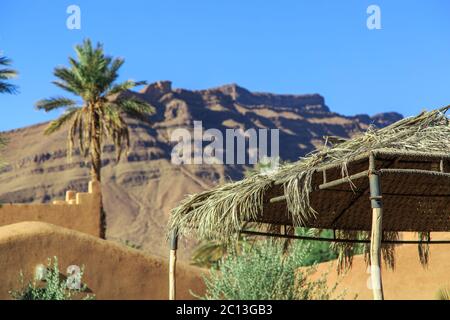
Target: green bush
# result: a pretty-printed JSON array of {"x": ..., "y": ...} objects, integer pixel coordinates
[
  {"x": 319, "y": 251},
  {"x": 51, "y": 287},
  {"x": 265, "y": 271},
  {"x": 209, "y": 253}
]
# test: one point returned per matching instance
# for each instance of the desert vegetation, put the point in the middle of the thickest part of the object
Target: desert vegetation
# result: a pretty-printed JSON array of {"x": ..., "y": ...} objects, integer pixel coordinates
[
  {"x": 265, "y": 270},
  {"x": 209, "y": 253},
  {"x": 51, "y": 286},
  {"x": 92, "y": 77}
]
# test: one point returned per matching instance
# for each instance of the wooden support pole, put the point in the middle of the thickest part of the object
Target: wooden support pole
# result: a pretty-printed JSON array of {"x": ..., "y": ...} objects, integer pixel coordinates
[
  {"x": 173, "y": 264},
  {"x": 377, "y": 231}
]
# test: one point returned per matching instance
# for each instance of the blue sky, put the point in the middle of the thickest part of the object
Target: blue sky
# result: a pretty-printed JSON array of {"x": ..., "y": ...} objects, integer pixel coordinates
[{"x": 297, "y": 46}]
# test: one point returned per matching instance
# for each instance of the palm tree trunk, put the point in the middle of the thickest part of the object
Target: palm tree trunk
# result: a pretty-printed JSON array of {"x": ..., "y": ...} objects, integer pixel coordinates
[
  {"x": 96, "y": 160},
  {"x": 95, "y": 150},
  {"x": 96, "y": 167}
]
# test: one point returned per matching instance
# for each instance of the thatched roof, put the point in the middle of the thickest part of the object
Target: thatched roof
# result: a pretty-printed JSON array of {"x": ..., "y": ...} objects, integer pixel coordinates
[{"x": 412, "y": 159}]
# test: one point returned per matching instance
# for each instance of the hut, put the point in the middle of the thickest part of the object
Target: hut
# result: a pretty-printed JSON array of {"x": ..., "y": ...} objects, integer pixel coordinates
[{"x": 366, "y": 189}]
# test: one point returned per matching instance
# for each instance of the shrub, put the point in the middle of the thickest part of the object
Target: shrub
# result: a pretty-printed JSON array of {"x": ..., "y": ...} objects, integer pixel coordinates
[
  {"x": 209, "y": 253},
  {"x": 319, "y": 251},
  {"x": 265, "y": 271},
  {"x": 51, "y": 287}
]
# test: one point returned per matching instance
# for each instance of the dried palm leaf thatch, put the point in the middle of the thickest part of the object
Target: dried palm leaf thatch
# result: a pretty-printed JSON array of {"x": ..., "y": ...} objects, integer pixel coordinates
[
  {"x": 346, "y": 251},
  {"x": 424, "y": 248},
  {"x": 220, "y": 212}
]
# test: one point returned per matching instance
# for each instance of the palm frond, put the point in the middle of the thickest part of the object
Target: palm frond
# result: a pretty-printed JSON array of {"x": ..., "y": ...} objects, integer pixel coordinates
[
  {"x": 5, "y": 61},
  {"x": 116, "y": 128},
  {"x": 124, "y": 86},
  {"x": 77, "y": 130},
  {"x": 136, "y": 108},
  {"x": 7, "y": 74},
  {"x": 7, "y": 88},
  {"x": 69, "y": 80},
  {"x": 210, "y": 253},
  {"x": 55, "y": 103},
  {"x": 58, "y": 123},
  {"x": 112, "y": 74}
]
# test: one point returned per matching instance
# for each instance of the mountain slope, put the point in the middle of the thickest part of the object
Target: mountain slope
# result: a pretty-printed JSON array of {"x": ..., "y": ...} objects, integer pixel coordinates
[{"x": 140, "y": 190}]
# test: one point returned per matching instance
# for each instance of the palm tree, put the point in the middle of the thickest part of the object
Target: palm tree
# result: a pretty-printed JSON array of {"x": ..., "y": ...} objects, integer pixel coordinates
[
  {"x": 5, "y": 75},
  {"x": 92, "y": 77},
  {"x": 5, "y": 87}
]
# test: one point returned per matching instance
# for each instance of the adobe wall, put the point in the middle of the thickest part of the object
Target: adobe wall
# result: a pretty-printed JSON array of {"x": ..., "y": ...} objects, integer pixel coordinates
[
  {"x": 112, "y": 271},
  {"x": 409, "y": 280},
  {"x": 79, "y": 211}
]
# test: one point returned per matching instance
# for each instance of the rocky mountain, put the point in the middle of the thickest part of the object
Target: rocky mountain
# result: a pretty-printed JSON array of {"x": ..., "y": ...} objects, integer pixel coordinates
[{"x": 140, "y": 190}]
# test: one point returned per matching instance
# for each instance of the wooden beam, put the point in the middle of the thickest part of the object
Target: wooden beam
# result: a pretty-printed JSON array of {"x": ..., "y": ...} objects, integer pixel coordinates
[
  {"x": 286, "y": 236},
  {"x": 173, "y": 264},
  {"x": 414, "y": 171},
  {"x": 277, "y": 199},
  {"x": 381, "y": 153},
  {"x": 348, "y": 179},
  {"x": 328, "y": 185},
  {"x": 394, "y": 194},
  {"x": 331, "y": 166},
  {"x": 337, "y": 240},
  {"x": 360, "y": 194}
]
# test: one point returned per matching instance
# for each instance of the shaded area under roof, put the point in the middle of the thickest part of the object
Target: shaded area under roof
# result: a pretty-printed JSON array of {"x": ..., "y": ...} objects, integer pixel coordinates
[{"x": 416, "y": 197}]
